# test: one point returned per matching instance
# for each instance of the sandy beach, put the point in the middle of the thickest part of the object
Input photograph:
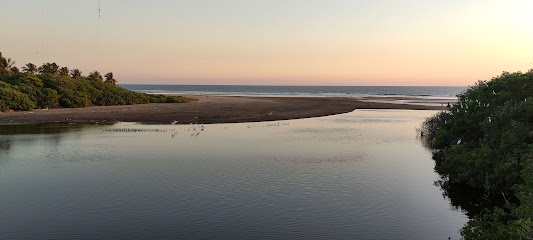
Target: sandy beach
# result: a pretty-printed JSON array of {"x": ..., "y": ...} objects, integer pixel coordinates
[{"x": 222, "y": 109}]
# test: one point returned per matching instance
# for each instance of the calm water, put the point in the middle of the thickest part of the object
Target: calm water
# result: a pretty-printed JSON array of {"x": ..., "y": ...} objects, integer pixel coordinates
[
  {"x": 361, "y": 175},
  {"x": 352, "y": 91}
]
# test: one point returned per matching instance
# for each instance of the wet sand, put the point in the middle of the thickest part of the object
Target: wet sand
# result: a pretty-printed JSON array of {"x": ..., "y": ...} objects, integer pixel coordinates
[{"x": 219, "y": 109}]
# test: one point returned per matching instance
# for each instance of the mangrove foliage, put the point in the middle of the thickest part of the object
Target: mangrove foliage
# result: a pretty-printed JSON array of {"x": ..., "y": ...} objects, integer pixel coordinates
[{"x": 485, "y": 142}]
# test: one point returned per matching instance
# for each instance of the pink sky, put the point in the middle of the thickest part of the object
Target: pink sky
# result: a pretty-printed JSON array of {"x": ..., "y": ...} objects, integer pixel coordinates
[{"x": 276, "y": 42}]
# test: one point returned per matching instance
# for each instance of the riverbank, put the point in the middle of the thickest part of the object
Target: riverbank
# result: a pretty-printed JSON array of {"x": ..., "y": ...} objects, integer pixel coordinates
[{"x": 221, "y": 109}]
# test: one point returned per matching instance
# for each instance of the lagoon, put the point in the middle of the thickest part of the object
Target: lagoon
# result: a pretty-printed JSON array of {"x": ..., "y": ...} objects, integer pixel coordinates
[{"x": 360, "y": 175}]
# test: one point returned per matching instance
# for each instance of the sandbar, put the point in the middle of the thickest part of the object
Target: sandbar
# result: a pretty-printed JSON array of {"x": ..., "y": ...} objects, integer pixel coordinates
[{"x": 220, "y": 109}]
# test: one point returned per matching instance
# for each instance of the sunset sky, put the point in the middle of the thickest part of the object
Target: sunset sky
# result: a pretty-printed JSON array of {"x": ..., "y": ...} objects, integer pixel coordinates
[{"x": 275, "y": 42}]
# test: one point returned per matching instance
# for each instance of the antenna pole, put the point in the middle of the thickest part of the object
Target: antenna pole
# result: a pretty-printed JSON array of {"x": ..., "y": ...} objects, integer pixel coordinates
[
  {"x": 99, "y": 9},
  {"x": 97, "y": 50}
]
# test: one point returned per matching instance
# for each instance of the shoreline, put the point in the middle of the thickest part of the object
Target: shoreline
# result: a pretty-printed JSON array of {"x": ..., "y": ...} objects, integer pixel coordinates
[{"x": 221, "y": 109}]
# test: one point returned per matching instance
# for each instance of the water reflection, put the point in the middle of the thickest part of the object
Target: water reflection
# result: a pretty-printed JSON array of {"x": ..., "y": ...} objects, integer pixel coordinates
[
  {"x": 5, "y": 145},
  {"x": 462, "y": 197},
  {"x": 362, "y": 175},
  {"x": 466, "y": 198},
  {"x": 43, "y": 128}
]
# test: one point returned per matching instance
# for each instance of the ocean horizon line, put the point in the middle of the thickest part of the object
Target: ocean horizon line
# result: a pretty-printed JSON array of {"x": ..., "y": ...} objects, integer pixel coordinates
[
  {"x": 253, "y": 90},
  {"x": 259, "y": 85}
]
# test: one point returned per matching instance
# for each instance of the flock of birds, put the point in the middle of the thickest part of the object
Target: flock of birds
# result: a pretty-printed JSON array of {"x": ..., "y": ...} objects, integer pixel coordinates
[
  {"x": 191, "y": 129},
  {"x": 135, "y": 130},
  {"x": 465, "y": 108},
  {"x": 277, "y": 124}
]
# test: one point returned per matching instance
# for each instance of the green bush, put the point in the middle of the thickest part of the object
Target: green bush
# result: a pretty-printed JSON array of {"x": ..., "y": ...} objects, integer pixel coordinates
[
  {"x": 53, "y": 88},
  {"x": 493, "y": 120},
  {"x": 11, "y": 99},
  {"x": 158, "y": 98},
  {"x": 50, "y": 90},
  {"x": 487, "y": 143}
]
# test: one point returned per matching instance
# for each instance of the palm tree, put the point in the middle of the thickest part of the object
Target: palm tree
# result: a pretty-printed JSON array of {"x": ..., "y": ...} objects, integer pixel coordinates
[
  {"x": 95, "y": 76},
  {"x": 109, "y": 79},
  {"x": 14, "y": 70},
  {"x": 7, "y": 66},
  {"x": 75, "y": 73},
  {"x": 3, "y": 64},
  {"x": 63, "y": 71},
  {"x": 30, "y": 68},
  {"x": 49, "y": 68}
]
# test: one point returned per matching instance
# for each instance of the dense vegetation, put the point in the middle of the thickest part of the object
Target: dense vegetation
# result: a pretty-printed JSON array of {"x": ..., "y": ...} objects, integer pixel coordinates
[
  {"x": 486, "y": 142},
  {"x": 51, "y": 86}
]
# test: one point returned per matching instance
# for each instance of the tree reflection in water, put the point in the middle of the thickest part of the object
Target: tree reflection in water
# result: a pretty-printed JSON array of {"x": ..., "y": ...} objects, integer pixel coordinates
[
  {"x": 461, "y": 196},
  {"x": 5, "y": 146},
  {"x": 44, "y": 128},
  {"x": 8, "y": 141}
]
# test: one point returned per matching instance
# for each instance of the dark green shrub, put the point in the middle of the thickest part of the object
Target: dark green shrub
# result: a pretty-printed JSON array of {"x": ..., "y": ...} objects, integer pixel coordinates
[
  {"x": 487, "y": 143},
  {"x": 53, "y": 88},
  {"x": 11, "y": 99}
]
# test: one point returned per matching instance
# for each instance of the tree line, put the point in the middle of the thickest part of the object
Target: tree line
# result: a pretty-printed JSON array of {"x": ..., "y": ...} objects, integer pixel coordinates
[
  {"x": 51, "y": 86},
  {"x": 486, "y": 142}
]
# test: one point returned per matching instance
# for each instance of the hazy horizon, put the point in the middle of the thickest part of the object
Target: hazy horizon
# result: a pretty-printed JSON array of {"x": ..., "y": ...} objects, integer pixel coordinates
[
  {"x": 267, "y": 85},
  {"x": 275, "y": 43}
]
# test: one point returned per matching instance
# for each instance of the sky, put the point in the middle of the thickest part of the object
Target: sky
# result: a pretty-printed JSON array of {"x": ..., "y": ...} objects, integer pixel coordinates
[{"x": 275, "y": 42}]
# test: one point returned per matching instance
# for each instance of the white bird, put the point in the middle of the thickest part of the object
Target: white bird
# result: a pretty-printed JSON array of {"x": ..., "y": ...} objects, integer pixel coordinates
[
  {"x": 174, "y": 122},
  {"x": 493, "y": 92},
  {"x": 525, "y": 99},
  {"x": 490, "y": 120},
  {"x": 459, "y": 142}
]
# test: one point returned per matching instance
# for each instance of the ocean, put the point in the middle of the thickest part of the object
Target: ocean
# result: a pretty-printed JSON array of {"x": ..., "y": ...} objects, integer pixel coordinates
[{"x": 341, "y": 91}]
